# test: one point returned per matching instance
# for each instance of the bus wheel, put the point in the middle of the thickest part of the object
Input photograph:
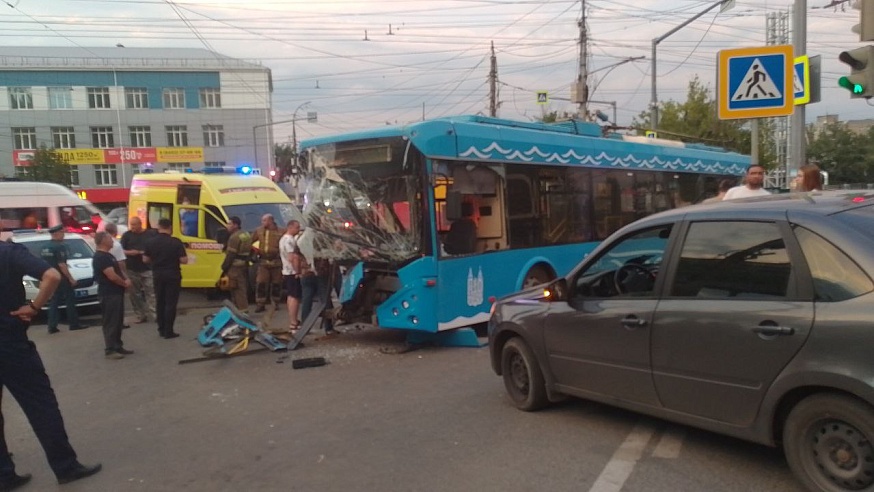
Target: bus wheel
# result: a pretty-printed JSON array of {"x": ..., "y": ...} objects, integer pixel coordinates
[{"x": 536, "y": 276}]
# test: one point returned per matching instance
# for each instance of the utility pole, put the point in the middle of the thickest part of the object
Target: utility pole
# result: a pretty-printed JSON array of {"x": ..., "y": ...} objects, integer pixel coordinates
[
  {"x": 493, "y": 84},
  {"x": 582, "y": 78},
  {"x": 797, "y": 135}
]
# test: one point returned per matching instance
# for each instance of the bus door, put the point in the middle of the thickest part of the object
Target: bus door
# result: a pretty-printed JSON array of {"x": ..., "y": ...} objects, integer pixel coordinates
[{"x": 198, "y": 229}]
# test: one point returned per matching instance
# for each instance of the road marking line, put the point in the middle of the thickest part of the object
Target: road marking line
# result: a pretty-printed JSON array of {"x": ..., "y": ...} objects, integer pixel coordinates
[
  {"x": 670, "y": 444},
  {"x": 621, "y": 464}
]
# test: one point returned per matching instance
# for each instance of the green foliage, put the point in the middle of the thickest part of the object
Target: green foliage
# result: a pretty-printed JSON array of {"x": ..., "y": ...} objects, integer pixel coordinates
[
  {"x": 284, "y": 155},
  {"x": 553, "y": 116},
  {"x": 847, "y": 156},
  {"x": 696, "y": 120},
  {"x": 49, "y": 167}
]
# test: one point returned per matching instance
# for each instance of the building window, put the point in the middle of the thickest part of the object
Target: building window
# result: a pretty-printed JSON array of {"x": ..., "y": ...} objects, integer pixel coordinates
[
  {"x": 140, "y": 136},
  {"x": 174, "y": 99},
  {"x": 101, "y": 137},
  {"x": 106, "y": 174},
  {"x": 214, "y": 164},
  {"x": 24, "y": 138},
  {"x": 213, "y": 135},
  {"x": 74, "y": 175},
  {"x": 60, "y": 97},
  {"x": 98, "y": 97},
  {"x": 63, "y": 137},
  {"x": 178, "y": 166},
  {"x": 210, "y": 98},
  {"x": 20, "y": 98},
  {"x": 136, "y": 97},
  {"x": 177, "y": 136}
]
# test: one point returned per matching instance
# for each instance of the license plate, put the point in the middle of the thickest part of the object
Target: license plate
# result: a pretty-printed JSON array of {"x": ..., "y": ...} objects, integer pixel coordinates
[{"x": 81, "y": 293}]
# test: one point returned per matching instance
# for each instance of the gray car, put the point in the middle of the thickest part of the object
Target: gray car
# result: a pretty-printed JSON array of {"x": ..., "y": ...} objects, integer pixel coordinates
[{"x": 752, "y": 318}]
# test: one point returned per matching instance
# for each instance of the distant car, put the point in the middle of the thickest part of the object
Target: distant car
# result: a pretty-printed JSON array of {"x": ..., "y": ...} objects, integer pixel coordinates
[
  {"x": 753, "y": 318},
  {"x": 118, "y": 215},
  {"x": 79, "y": 264}
]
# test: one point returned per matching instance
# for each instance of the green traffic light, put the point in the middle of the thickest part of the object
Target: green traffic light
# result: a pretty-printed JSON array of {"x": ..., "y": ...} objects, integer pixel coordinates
[{"x": 847, "y": 84}]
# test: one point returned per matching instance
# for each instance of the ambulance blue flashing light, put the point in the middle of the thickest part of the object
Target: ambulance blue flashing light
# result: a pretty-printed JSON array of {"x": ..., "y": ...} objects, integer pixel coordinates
[{"x": 244, "y": 170}]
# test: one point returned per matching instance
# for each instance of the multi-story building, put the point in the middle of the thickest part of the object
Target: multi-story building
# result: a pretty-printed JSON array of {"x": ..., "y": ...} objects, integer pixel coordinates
[{"x": 113, "y": 112}]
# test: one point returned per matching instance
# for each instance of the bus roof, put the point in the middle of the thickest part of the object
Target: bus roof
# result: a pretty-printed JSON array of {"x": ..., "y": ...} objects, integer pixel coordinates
[{"x": 479, "y": 138}]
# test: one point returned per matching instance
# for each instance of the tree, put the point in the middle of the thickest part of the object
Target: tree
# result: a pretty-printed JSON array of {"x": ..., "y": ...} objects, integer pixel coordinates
[
  {"x": 50, "y": 167},
  {"x": 284, "y": 155},
  {"x": 697, "y": 120},
  {"x": 844, "y": 154}
]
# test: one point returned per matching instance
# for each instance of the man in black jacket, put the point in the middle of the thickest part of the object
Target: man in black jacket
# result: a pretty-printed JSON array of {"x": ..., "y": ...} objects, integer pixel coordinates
[{"x": 166, "y": 253}]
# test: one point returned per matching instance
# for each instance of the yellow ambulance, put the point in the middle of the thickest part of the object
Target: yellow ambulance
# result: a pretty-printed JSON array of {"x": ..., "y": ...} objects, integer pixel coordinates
[{"x": 199, "y": 205}]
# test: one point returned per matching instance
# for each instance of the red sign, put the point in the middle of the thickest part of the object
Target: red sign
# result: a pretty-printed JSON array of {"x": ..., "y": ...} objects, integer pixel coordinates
[
  {"x": 104, "y": 195},
  {"x": 136, "y": 155}
]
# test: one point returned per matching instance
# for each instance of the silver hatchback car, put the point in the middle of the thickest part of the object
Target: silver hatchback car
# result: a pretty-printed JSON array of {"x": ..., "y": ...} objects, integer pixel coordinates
[{"x": 752, "y": 318}]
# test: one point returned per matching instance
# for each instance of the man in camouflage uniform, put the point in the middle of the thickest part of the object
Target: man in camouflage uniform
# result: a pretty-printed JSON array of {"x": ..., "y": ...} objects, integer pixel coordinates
[
  {"x": 236, "y": 264},
  {"x": 268, "y": 279}
]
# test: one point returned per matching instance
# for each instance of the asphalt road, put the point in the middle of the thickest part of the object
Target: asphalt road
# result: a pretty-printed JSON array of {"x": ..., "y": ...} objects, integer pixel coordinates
[{"x": 435, "y": 419}]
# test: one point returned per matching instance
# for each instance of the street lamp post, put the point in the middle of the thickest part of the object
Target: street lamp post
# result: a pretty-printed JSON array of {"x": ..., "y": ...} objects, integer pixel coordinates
[
  {"x": 654, "y": 103},
  {"x": 293, "y": 130}
]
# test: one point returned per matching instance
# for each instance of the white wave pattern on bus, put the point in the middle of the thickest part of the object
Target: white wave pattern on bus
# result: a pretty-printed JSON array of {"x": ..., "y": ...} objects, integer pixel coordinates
[{"x": 601, "y": 160}]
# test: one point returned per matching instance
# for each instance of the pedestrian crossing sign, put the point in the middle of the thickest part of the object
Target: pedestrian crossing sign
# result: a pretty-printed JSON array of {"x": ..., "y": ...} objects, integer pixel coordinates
[
  {"x": 542, "y": 97},
  {"x": 801, "y": 80},
  {"x": 755, "y": 82}
]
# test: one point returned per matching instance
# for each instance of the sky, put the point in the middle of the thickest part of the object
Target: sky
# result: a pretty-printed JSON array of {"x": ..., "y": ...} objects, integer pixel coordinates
[{"x": 364, "y": 63}]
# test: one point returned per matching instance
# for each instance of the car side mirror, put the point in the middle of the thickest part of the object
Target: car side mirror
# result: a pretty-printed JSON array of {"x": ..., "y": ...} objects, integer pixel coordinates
[{"x": 557, "y": 290}]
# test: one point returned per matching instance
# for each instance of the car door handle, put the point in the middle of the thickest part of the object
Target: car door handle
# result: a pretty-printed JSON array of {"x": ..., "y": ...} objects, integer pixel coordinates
[
  {"x": 773, "y": 330},
  {"x": 633, "y": 322}
]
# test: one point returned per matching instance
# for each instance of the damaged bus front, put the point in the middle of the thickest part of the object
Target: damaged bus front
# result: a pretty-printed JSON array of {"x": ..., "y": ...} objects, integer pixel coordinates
[{"x": 365, "y": 202}]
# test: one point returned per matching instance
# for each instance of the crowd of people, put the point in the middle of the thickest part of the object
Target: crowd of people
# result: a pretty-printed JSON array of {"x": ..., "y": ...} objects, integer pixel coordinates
[
  {"x": 286, "y": 267},
  {"x": 809, "y": 178}
]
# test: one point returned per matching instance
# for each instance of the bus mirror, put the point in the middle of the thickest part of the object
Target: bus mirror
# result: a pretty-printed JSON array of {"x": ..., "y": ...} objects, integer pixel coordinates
[{"x": 453, "y": 205}]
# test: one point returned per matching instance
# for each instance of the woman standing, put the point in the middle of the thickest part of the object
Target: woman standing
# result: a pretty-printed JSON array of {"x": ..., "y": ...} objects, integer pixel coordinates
[{"x": 809, "y": 178}]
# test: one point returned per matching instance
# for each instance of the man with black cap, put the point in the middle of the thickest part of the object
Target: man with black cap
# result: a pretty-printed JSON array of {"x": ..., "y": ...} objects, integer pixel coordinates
[
  {"x": 55, "y": 253},
  {"x": 166, "y": 253},
  {"x": 22, "y": 371}
]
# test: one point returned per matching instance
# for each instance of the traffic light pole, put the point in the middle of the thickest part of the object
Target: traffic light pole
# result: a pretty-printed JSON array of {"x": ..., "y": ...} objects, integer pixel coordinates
[{"x": 797, "y": 134}]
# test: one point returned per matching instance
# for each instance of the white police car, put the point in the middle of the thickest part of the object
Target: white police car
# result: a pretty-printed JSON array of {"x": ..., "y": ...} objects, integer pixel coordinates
[{"x": 79, "y": 263}]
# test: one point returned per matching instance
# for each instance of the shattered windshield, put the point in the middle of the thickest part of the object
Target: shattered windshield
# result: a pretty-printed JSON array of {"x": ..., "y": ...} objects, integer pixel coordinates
[{"x": 363, "y": 200}]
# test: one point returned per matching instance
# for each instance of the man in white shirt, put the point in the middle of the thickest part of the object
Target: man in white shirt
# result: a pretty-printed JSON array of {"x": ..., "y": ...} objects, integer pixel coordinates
[
  {"x": 291, "y": 270},
  {"x": 752, "y": 185}
]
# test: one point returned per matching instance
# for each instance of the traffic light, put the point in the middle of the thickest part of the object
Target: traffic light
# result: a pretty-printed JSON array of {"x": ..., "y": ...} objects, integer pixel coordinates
[
  {"x": 865, "y": 27},
  {"x": 860, "y": 82}
]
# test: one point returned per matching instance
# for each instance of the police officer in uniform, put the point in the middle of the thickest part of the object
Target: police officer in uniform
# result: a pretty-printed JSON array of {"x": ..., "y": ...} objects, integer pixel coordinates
[
  {"x": 268, "y": 279},
  {"x": 55, "y": 253},
  {"x": 22, "y": 372},
  {"x": 236, "y": 264}
]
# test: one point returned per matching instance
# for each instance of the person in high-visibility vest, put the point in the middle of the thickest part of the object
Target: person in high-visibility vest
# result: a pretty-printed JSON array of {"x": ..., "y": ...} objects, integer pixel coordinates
[
  {"x": 268, "y": 279},
  {"x": 236, "y": 264}
]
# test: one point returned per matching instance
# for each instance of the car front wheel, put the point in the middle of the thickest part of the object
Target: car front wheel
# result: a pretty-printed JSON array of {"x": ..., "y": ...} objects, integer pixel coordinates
[
  {"x": 522, "y": 376},
  {"x": 827, "y": 440}
]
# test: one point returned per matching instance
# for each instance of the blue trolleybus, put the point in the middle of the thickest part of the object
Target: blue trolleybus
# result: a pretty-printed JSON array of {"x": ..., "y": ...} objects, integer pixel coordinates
[{"x": 434, "y": 219}]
